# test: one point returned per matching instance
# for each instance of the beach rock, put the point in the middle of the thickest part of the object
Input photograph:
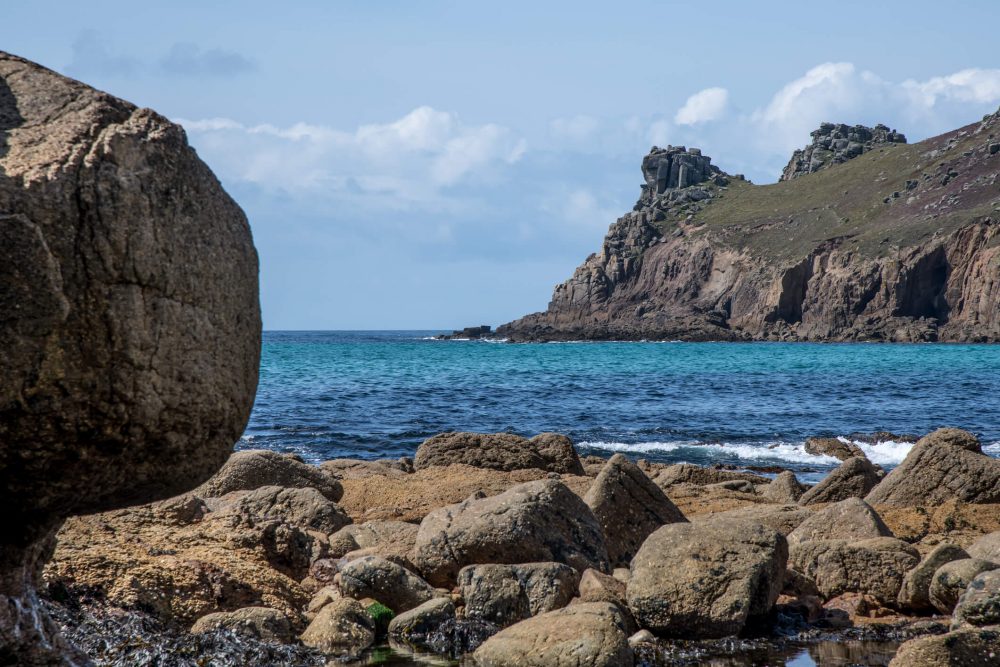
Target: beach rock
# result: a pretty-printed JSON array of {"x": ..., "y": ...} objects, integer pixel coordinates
[
  {"x": 854, "y": 478},
  {"x": 304, "y": 507},
  {"x": 833, "y": 447},
  {"x": 414, "y": 626},
  {"x": 412, "y": 497},
  {"x": 550, "y": 452},
  {"x": 252, "y": 469},
  {"x": 943, "y": 465},
  {"x": 782, "y": 518},
  {"x": 599, "y": 587},
  {"x": 785, "y": 488},
  {"x": 986, "y": 547},
  {"x": 979, "y": 605},
  {"x": 590, "y": 634},
  {"x": 686, "y": 473},
  {"x": 320, "y": 599},
  {"x": 951, "y": 579},
  {"x": 388, "y": 538},
  {"x": 973, "y": 647},
  {"x": 385, "y": 581},
  {"x": 533, "y": 522},
  {"x": 360, "y": 469},
  {"x": 628, "y": 506},
  {"x": 915, "y": 592},
  {"x": 341, "y": 628},
  {"x": 851, "y": 519},
  {"x": 872, "y": 567},
  {"x": 259, "y": 622},
  {"x": 506, "y": 594},
  {"x": 707, "y": 579},
  {"x": 131, "y": 325}
]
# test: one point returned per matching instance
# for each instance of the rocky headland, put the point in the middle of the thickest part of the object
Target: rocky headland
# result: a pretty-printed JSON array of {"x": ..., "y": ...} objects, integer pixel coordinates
[
  {"x": 864, "y": 238},
  {"x": 498, "y": 550}
]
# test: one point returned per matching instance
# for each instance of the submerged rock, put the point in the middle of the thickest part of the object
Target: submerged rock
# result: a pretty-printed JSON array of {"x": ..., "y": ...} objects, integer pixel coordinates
[
  {"x": 628, "y": 506},
  {"x": 131, "y": 326},
  {"x": 500, "y": 451},
  {"x": 707, "y": 579},
  {"x": 532, "y": 522}
]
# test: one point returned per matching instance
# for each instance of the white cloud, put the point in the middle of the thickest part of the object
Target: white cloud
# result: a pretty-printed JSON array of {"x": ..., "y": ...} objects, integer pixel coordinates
[
  {"x": 968, "y": 85},
  {"x": 577, "y": 128},
  {"x": 411, "y": 159},
  {"x": 706, "y": 105}
]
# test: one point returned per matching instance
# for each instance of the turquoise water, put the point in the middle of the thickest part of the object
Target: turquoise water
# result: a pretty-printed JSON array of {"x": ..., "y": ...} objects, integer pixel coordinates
[{"x": 379, "y": 394}]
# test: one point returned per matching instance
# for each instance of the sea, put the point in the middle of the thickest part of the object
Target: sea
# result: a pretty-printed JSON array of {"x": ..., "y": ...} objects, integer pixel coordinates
[{"x": 379, "y": 394}]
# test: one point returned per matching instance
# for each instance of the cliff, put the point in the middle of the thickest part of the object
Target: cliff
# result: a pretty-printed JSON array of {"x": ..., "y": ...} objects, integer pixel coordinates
[{"x": 864, "y": 238}]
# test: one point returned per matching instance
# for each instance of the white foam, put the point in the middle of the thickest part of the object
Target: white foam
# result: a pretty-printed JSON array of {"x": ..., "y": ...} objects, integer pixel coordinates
[
  {"x": 992, "y": 449},
  {"x": 887, "y": 452},
  {"x": 773, "y": 451}
]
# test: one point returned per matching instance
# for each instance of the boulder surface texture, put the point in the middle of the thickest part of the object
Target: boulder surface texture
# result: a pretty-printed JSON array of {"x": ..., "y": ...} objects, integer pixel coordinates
[{"x": 131, "y": 323}]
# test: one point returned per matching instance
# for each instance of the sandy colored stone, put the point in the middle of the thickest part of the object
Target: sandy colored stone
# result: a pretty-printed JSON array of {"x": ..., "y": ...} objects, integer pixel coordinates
[
  {"x": 269, "y": 625},
  {"x": 341, "y": 628},
  {"x": 963, "y": 648},
  {"x": 851, "y": 519},
  {"x": 874, "y": 567},
  {"x": 550, "y": 452},
  {"x": 951, "y": 579},
  {"x": 915, "y": 591},
  {"x": 785, "y": 488},
  {"x": 782, "y": 518},
  {"x": 853, "y": 478},
  {"x": 506, "y": 594},
  {"x": 385, "y": 581},
  {"x": 254, "y": 468}
]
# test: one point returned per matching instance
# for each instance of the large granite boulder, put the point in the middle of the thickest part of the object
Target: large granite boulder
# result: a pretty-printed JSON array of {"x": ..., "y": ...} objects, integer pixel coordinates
[
  {"x": 851, "y": 519},
  {"x": 986, "y": 547},
  {"x": 342, "y": 628},
  {"x": 707, "y": 579},
  {"x": 304, "y": 507},
  {"x": 782, "y": 518},
  {"x": 263, "y": 623},
  {"x": 628, "y": 506},
  {"x": 946, "y": 464},
  {"x": 873, "y": 567},
  {"x": 387, "y": 538},
  {"x": 980, "y": 603},
  {"x": 500, "y": 451},
  {"x": 915, "y": 592},
  {"x": 418, "y": 624},
  {"x": 385, "y": 581},
  {"x": 253, "y": 468},
  {"x": 131, "y": 326},
  {"x": 687, "y": 473},
  {"x": 835, "y": 447},
  {"x": 532, "y": 522},
  {"x": 785, "y": 488},
  {"x": 506, "y": 594},
  {"x": 854, "y": 478},
  {"x": 590, "y": 634}
]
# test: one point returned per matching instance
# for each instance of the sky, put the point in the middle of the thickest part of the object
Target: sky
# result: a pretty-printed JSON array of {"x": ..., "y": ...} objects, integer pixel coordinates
[{"x": 434, "y": 165}]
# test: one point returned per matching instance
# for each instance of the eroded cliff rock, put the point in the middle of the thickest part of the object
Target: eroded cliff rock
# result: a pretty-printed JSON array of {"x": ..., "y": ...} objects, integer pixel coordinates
[
  {"x": 129, "y": 321},
  {"x": 889, "y": 242}
]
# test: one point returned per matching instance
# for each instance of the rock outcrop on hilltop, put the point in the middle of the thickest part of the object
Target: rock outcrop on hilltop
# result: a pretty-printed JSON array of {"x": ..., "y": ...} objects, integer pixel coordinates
[
  {"x": 834, "y": 143},
  {"x": 864, "y": 238},
  {"x": 130, "y": 324}
]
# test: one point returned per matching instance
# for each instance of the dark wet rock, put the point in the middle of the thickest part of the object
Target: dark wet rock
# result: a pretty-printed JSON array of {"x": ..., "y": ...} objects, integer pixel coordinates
[
  {"x": 974, "y": 647},
  {"x": 591, "y": 633},
  {"x": 628, "y": 506},
  {"x": 537, "y": 521},
  {"x": 262, "y": 623},
  {"x": 832, "y": 447},
  {"x": 980, "y": 603},
  {"x": 304, "y": 507},
  {"x": 706, "y": 579},
  {"x": 835, "y": 143},
  {"x": 951, "y": 579},
  {"x": 385, "y": 581},
  {"x": 500, "y": 451},
  {"x": 341, "y": 628},
  {"x": 131, "y": 326},
  {"x": 506, "y": 594},
  {"x": 254, "y": 468},
  {"x": 872, "y": 567},
  {"x": 915, "y": 592},
  {"x": 851, "y": 519},
  {"x": 416, "y": 625},
  {"x": 944, "y": 465},
  {"x": 785, "y": 488},
  {"x": 854, "y": 478}
]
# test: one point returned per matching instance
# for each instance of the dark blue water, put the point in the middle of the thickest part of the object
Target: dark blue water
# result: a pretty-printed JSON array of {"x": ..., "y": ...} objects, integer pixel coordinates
[{"x": 379, "y": 394}]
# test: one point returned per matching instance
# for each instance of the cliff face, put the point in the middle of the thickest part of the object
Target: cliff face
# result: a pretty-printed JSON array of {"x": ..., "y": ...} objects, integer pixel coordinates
[{"x": 875, "y": 241}]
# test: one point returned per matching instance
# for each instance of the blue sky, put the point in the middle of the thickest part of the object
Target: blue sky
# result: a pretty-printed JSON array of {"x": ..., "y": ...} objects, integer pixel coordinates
[{"x": 441, "y": 164}]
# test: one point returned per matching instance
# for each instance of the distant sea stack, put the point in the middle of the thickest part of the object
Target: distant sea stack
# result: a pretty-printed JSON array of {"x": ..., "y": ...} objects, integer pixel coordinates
[
  {"x": 864, "y": 238},
  {"x": 129, "y": 324}
]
